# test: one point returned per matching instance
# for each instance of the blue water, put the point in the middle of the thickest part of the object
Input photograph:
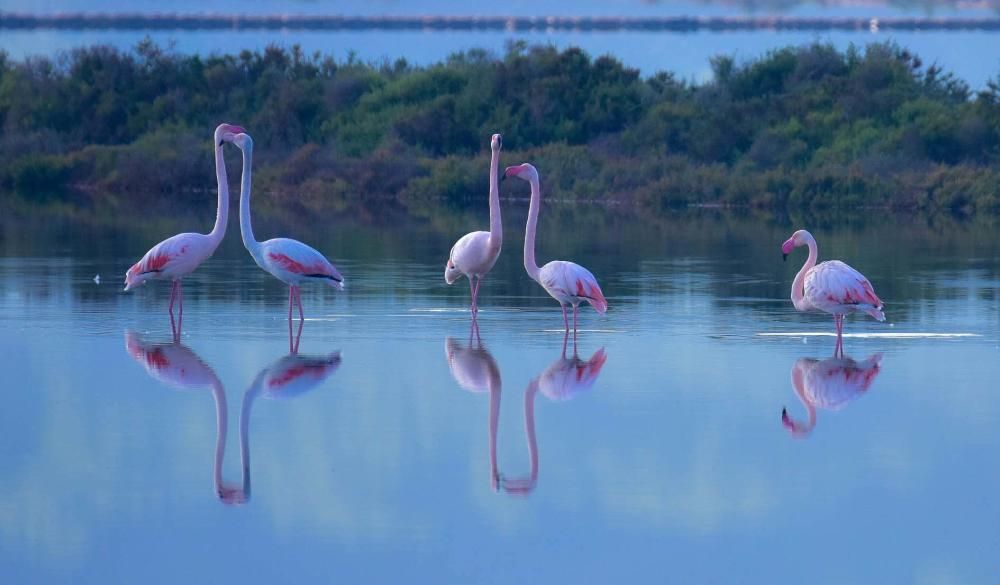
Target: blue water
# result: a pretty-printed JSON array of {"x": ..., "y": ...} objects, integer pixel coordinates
[{"x": 660, "y": 454}]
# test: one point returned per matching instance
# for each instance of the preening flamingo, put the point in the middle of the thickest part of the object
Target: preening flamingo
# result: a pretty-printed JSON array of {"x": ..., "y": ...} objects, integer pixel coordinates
[
  {"x": 178, "y": 256},
  {"x": 474, "y": 369},
  {"x": 563, "y": 380},
  {"x": 829, "y": 384},
  {"x": 177, "y": 366},
  {"x": 832, "y": 287},
  {"x": 566, "y": 282},
  {"x": 475, "y": 253},
  {"x": 290, "y": 261}
]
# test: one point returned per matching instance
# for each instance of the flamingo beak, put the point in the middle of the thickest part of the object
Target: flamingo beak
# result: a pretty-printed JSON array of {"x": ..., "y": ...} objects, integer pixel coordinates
[{"x": 784, "y": 257}]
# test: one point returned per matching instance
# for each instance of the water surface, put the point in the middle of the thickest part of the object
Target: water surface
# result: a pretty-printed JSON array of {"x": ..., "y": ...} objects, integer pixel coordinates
[{"x": 392, "y": 447}]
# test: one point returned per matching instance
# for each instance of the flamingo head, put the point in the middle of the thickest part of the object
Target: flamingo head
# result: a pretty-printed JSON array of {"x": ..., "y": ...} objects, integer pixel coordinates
[
  {"x": 134, "y": 278},
  {"x": 799, "y": 238},
  {"x": 496, "y": 142},
  {"x": 794, "y": 427},
  {"x": 243, "y": 141},
  {"x": 525, "y": 172},
  {"x": 226, "y": 133}
]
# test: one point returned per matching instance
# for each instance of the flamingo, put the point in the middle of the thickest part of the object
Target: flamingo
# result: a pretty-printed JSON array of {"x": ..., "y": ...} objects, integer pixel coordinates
[
  {"x": 177, "y": 366},
  {"x": 290, "y": 261},
  {"x": 178, "y": 256},
  {"x": 829, "y": 384},
  {"x": 475, "y": 370},
  {"x": 567, "y": 282},
  {"x": 563, "y": 380},
  {"x": 475, "y": 253},
  {"x": 831, "y": 286}
]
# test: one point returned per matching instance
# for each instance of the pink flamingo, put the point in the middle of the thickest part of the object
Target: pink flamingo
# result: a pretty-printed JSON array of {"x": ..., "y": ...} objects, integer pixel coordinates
[
  {"x": 829, "y": 384},
  {"x": 178, "y": 256},
  {"x": 831, "y": 286},
  {"x": 290, "y": 261},
  {"x": 175, "y": 365},
  {"x": 475, "y": 370},
  {"x": 564, "y": 380},
  {"x": 566, "y": 282},
  {"x": 475, "y": 253}
]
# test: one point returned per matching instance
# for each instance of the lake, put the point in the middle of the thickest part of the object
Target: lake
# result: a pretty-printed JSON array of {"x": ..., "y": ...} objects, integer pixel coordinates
[
  {"x": 973, "y": 56},
  {"x": 392, "y": 448}
]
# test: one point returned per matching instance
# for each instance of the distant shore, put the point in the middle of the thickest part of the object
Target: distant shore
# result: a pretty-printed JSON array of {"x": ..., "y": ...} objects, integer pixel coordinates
[{"x": 208, "y": 21}]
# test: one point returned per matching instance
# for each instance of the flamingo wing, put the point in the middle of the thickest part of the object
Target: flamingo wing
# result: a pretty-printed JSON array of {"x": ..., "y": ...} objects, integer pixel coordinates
[
  {"x": 173, "y": 257},
  {"x": 569, "y": 282},
  {"x": 835, "y": 283},
  {"x": 291, "y": 260}
]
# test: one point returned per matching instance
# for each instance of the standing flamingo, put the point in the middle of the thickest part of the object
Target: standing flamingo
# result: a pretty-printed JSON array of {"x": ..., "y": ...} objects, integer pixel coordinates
[
  {"x": 566, "y": 282},
  {"x": 829, "y": 384},
  {"x": 290, "y": 261},
  {"x": 831, "y": 286},
  {"x": 475, "y": 253},
  {"x": 178, "y": 256}
]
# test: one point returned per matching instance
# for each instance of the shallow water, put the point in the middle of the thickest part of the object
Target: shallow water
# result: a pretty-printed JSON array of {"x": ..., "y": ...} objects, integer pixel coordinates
[{"x": 659, "y": 455}]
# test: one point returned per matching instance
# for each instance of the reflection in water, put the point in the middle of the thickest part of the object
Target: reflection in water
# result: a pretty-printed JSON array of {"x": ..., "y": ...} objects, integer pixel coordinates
[
  {"x": 175, "y": 365},
  {"x": 288, "y": 377},
  {"x": 564, "y": 380},
  {"x": 829, "y": 384},
  {"x": 475, "y": 370}
]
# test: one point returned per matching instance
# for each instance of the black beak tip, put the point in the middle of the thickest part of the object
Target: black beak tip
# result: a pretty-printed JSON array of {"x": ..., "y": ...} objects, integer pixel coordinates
[
  {"x": 503, "y": 178},
  {"x": 221, "y": 142},
  {"x": 784, "y": 257}
]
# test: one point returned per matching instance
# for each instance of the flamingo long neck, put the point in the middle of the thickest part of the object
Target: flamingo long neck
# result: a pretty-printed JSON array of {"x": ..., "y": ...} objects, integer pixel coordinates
[
  {"x": 529, "y": 231},
  {"x": 221, "y": 421},
  {"x": 798, "y": 285},
  {"x": 246, "y": 230},
  {"x": 798, "y": 383},
  {"x": 496, "y": 226},
  {"x": 222, "y": 212}
]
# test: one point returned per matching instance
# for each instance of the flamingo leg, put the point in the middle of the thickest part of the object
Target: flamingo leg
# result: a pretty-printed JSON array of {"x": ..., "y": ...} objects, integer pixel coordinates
[
  {"x": 293, "y": 345},
  {"x": 173, "y": 297},
  {"x": 298, "y": 300},
  {"x": 565, "y": 319},
  {"x": 180, "y": 304},
  {"x": 291, "y": 299},
  {"x": 575, "y": 308},
  {"x": 565, "y": 341},
  {"x": 475, "y": 295},
  {"x": 472, "y": 295}
]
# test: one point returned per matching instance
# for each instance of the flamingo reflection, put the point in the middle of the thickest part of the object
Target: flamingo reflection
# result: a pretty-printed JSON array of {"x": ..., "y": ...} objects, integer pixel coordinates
[
  {"x": 474, "y": 369},
  {"x": 829, "y": 384},
  {"x": 177, "y": 366},
  {"x": 287, "y": 377},
  {"x": 565, "y": 379}
]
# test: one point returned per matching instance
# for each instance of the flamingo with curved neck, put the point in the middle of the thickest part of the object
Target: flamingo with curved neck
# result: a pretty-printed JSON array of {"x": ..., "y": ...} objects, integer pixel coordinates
[
  {"x": 475, "y": 253},
  {"x": 566, "y": 282},
  {"x": 288, "y": 260},
  {"x": 832, "y": 287},
  {"x": 177, "y": 256}
]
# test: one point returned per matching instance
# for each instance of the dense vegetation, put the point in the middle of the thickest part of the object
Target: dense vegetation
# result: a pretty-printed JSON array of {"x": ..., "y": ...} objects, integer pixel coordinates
[{"x": 807, "y": 127}]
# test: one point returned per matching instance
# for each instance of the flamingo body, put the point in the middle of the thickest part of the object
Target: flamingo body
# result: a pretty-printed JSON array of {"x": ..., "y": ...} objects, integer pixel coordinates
[
  {"x": 571, "y": 284},
  {"x": 171, "y": 259},
  {"x": 473, "y": 255},
  {"x": 836, "y": 288},
  {"x": 293, "y": 263}
]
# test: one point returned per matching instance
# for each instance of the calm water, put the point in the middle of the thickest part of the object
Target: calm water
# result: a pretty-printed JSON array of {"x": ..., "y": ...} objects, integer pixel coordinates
[{"x": 659, "y": 455}]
